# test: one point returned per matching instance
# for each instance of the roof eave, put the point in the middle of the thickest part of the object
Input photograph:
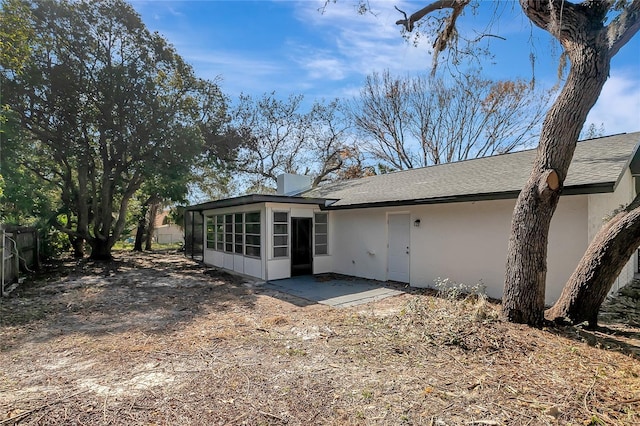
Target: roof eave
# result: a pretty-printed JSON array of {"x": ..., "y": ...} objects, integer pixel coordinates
[
  {"x": 595, "y": 188},
  {"x": 256, "y": 199}
]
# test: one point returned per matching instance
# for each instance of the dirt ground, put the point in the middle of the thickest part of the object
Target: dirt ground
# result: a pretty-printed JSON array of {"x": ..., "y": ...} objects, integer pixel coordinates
[{"x": 158, "y": 339}]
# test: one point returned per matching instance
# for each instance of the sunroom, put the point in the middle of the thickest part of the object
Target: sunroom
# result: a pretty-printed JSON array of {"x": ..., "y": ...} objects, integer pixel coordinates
[{"x": 266, "y": 236}]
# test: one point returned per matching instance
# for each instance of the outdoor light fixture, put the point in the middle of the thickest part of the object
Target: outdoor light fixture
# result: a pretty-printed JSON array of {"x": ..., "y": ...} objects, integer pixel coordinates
[{"x": 416, "y": 223}]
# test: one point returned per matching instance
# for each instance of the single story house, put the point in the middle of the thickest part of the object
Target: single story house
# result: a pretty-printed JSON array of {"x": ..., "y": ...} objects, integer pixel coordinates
[{"x": 417, "y": 226}]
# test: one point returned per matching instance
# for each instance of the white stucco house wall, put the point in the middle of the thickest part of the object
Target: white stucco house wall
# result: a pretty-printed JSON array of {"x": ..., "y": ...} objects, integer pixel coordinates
[
  {"x": 416, "y": 226},
  {"x": 166, "y": 232}
]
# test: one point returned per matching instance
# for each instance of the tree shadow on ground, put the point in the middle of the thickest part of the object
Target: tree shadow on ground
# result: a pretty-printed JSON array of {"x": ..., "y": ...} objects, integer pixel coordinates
[
  {"x": 611, "y": 337},
  {"x": 144, "y": 292}
]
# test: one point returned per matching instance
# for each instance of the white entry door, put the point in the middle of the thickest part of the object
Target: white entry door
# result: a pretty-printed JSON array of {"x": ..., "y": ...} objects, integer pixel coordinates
[{"x": 398, "y": 252}]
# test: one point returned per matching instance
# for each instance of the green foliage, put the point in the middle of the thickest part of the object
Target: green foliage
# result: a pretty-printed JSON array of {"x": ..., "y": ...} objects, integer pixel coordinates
[
  {"x": 53, "y": 243},
  {"x": 25, "y": 198},
  {"x": 176, "y": 215},
  {"x": 15, "y": 34},
  {"x": 106, "y": 109}
]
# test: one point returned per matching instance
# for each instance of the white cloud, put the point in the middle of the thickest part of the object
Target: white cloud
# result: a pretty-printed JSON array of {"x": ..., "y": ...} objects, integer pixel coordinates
[
  {"x": 324, "y": 66},
  {"x": 618, "y": 108},
  {"x": 360, "y": 44},
  {"x": 337, "y": 49}
]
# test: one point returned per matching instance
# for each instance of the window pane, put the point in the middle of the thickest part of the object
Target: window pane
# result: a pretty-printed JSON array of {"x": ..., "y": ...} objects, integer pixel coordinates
[
  {"x": 280, "y": 216},
  {"x": 280, "y": 229},
  {"x": 220, "y": 245},
  {"x": 239, "y": 248},
  {"x": 280, "y": 240},
  {"x": 280, "y": 251},
  {"x": 252, "y": 228},
  {"x": 228, "y": 239},
  {"x": 228, "y": 218},
  {"x": 238, "y": 228},
  {"x": 252, "y": 217},
  {"x": 321, "y": 230},
  {"x": 252, "y": 251},
  {"x": 238, "y": 217},
  {"x": 211, "y": 236},
  {"x": 321, "y": 217},
  {"x": 252, "y": 239}
]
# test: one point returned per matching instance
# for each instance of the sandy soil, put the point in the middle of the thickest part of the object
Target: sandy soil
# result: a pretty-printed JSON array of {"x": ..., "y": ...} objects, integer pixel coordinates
[{"x": 160, "y": 339}]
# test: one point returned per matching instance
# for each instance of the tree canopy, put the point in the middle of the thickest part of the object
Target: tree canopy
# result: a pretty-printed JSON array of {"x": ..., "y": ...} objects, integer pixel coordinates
[{"x": 105, "y": 105}]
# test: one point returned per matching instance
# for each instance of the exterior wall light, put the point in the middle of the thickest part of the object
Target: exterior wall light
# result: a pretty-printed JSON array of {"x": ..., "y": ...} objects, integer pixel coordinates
[{"x": 416, "y": 223}]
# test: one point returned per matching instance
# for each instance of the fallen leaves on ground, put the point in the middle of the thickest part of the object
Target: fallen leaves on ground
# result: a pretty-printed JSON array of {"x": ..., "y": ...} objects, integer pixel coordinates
[{"x": 156, "y": 338}]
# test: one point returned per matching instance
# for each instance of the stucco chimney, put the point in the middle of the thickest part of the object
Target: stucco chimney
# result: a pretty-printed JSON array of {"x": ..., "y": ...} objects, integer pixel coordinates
[{"x": 290, "y": 184}]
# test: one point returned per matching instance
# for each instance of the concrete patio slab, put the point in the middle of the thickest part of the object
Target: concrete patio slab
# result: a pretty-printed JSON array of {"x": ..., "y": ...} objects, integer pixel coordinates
[{"x": 333, "y": 292}]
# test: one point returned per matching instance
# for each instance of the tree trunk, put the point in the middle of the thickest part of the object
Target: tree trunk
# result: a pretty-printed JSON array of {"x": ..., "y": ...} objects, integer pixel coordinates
[
  {"x": 603, "y": 261},
  {"x": 153, "y": 214},
  {"x": 142, "y": 226},
  {"x": 78, "y": 247},
  {"x": 523, "y": 299},
  {"x": 101, "y": 249},
  {"x": 582, "y": 37}
]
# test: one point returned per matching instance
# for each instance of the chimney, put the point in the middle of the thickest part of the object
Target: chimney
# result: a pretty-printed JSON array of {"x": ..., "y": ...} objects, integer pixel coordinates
[{"x": 290, "y": 184}]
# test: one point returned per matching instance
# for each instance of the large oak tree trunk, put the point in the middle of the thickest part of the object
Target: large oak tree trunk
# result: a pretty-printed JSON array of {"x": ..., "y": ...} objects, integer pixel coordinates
[
  {"x": 580, "y": 33},
  {"x": 101, "y": 249},
  {"x": 603, "y": 261}
]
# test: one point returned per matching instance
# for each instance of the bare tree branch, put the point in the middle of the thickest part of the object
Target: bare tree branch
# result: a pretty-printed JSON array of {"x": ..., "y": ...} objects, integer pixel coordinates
[{"x": 408, "y": 24}]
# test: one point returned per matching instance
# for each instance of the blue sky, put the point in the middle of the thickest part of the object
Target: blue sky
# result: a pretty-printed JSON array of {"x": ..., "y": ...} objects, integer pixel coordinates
[{"x": 289, "y": 47}]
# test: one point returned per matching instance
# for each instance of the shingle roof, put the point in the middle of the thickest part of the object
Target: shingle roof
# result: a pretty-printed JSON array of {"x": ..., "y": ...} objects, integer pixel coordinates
[{"x": 597, "y": 166}]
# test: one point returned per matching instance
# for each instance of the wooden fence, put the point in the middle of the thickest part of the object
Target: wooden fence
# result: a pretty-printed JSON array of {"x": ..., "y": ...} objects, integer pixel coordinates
[{"x": 20, "y": 253}]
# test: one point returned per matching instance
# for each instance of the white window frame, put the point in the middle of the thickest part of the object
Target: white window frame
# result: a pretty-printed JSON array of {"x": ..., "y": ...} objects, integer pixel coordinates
[
  {"x": 316, "y": 234},
  {"x": 280, "y": 235},
  {"x": 252, "y": 234}
]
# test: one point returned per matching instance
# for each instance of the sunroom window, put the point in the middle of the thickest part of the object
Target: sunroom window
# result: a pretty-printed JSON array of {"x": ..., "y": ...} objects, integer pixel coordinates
[
  {"x": 321, "y": 233},
  {"x": 211, "y": 232},
  {"x": 252, "y": 234},
  {"x": 280, "y": 234}
]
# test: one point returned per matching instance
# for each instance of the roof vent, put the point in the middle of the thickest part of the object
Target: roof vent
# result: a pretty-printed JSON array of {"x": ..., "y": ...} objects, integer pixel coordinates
[{"x": 290, "y": 184}]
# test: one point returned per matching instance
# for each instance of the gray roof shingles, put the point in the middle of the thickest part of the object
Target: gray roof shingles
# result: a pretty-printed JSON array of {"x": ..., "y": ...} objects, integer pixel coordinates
[{"x": 596, "y": 167}]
